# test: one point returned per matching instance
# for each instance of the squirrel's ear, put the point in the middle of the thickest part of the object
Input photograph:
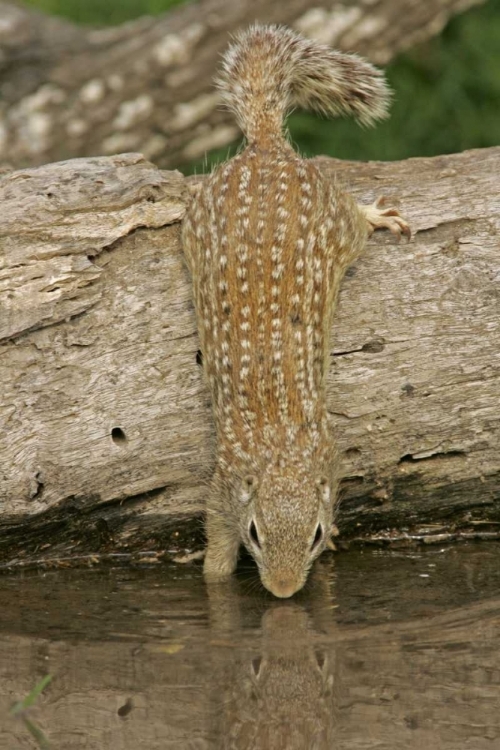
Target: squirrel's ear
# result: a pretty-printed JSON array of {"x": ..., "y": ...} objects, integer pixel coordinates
[
  {"x": 324, "y": 489},
  {"x": 248, "y": 487}
]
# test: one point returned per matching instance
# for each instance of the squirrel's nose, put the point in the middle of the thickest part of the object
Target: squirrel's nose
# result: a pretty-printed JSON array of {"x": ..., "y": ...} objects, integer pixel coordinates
[{"x": 284, "y": 587}]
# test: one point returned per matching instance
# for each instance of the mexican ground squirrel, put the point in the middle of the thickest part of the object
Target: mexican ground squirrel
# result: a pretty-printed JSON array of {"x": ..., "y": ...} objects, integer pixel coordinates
[{"x": 268, "y": 239}]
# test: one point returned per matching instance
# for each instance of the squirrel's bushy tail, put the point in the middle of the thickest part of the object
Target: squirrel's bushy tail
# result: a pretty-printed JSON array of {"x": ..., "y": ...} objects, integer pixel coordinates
[{"x": 271, "y": 69}]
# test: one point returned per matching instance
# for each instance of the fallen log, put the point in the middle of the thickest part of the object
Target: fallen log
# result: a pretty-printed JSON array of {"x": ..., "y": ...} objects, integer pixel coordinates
[{"x": 106, "y": 439}]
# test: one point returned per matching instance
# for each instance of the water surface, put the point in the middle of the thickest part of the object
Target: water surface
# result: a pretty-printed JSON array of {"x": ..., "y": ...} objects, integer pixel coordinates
[{"x": 385, "y": 650}]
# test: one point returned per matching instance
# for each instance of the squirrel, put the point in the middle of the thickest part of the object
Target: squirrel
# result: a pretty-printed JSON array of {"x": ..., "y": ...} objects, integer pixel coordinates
[{"x": 268, "y": 239}]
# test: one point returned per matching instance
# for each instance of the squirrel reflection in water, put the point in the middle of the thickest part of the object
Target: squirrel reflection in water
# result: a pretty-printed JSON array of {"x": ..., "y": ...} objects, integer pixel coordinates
[{"x": 277, "y": 691}]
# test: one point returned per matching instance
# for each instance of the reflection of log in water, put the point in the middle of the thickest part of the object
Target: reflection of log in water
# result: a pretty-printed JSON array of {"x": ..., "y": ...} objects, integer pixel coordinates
[
  {"x": 143, "y": 661},
  {"x": 432, "y": 682},
  {"x": 179, "y": 677}
]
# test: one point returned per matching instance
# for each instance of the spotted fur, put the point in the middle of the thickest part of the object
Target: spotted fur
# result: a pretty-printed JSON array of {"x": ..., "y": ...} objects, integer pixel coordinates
[{"x": 268, "y": 240}]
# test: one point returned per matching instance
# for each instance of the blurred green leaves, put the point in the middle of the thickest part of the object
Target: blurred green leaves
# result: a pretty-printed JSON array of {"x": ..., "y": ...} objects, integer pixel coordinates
[
  {"x": 446, "y": 99},
  {"x": 103, "y": 12}
]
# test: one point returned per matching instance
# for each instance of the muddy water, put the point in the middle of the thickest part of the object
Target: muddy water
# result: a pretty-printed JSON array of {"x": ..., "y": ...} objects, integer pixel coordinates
[{"x": 386, "y": 650}]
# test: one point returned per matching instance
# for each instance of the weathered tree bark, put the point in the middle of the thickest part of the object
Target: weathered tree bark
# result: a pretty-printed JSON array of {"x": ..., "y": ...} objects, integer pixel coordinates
[
  {"x": 147, "y": 85},
  {"x": 105, "y": 426}
]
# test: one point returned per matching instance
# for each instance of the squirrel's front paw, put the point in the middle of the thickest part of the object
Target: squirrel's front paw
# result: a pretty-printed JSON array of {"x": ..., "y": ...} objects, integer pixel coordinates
[
  {"x": 385, "y": 218},
  {"x": 218, "y": 567}
]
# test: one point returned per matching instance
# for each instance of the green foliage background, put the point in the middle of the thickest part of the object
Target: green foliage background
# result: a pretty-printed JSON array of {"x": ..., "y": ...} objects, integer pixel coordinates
[
  {"x": 103, "y": 12},
  {"x": 447, "y": 91}
]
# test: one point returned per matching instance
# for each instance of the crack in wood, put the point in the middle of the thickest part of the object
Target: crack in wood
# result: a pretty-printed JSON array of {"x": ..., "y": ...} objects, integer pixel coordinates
[{"x": 409, "y": 458}]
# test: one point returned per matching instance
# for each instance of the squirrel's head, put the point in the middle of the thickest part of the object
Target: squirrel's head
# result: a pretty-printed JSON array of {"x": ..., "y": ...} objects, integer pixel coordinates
[{"x": 285, "y": 525}]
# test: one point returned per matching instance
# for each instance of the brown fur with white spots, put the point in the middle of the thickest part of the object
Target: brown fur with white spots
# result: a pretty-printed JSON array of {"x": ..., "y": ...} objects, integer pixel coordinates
[{"x": 268, "y": 240}]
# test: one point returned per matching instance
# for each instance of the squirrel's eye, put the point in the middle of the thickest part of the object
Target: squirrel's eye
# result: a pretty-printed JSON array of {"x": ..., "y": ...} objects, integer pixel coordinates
[
  {"x": 317, "y": 537},
  {"x": 253, "y": 534}
]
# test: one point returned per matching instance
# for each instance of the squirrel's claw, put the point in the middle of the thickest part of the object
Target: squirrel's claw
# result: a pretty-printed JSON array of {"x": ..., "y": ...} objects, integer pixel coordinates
[{"x": 385, "y": 218}]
